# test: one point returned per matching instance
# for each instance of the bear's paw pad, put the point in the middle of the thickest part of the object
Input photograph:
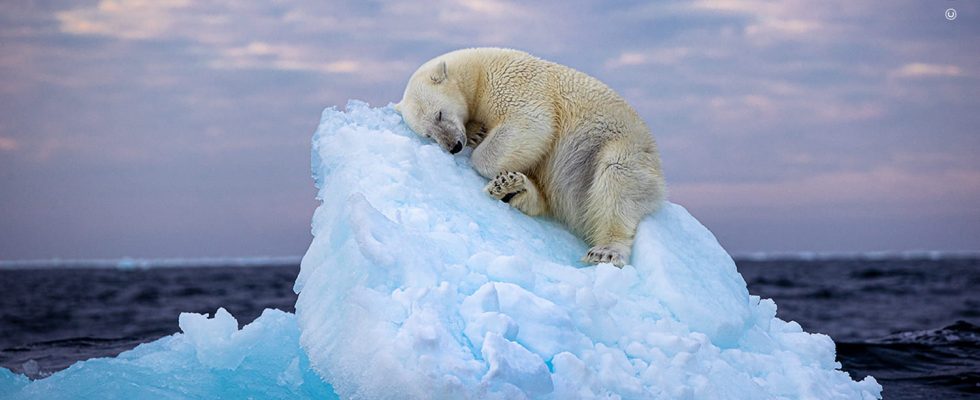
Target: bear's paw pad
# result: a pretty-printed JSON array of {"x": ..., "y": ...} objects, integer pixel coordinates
[
  {"x": 605, "y": 254},
  {"x": 507, "y": 185}
]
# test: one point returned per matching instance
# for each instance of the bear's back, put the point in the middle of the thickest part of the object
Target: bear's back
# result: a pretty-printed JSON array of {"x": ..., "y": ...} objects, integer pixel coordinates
[{"x": 518, "y": 79}]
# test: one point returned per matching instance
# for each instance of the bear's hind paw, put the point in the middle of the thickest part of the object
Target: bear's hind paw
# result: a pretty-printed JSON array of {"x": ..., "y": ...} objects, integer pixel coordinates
[{"x": 605, "y": 254}]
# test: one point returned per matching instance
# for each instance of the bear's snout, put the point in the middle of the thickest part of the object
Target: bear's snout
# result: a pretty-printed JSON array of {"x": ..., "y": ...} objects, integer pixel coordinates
[{"x": 457, "y": 148}]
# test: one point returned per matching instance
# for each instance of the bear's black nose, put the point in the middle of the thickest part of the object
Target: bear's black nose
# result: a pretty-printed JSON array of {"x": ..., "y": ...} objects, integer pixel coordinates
[{"x": 457, "y": 147}]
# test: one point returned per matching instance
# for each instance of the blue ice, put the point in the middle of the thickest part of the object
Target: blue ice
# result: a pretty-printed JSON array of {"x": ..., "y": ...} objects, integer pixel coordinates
[
  {"x": 211, "y": 358},
  {"x": 418, "y": 285}
]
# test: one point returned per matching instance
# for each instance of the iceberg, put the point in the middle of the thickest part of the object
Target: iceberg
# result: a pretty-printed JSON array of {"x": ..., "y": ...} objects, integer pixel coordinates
[
  {"x": 212, "y": 358},
  {"x": 418, "y": 285}
]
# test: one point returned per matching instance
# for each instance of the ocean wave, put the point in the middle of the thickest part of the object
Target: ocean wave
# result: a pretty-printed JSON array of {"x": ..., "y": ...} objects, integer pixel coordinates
[{"x": 935, "y": 363}]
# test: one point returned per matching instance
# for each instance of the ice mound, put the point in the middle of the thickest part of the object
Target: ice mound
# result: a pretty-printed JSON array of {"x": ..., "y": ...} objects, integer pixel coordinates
[
  {"x": 211, "y": 359},
  {"x": 417, "y": 285}
]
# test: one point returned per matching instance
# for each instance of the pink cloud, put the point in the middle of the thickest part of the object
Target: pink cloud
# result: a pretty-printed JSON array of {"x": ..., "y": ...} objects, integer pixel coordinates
[
  {"x": 8, "y": 144},
  {"x": 922, "y": 70}
]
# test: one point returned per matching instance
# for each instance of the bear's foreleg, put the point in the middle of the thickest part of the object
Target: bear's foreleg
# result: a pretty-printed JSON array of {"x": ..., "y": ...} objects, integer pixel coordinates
[
  {"x": 519, "y": 191},
  {"x": 516, "y": 145}
]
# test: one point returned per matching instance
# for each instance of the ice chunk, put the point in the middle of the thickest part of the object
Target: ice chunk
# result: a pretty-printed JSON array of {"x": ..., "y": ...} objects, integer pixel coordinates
[
  {"x": 417, "y": 285},
  {"x": 11, "y": 383},
  {"x": 211, "y": 359},
  {"x": 31, "y": 368},
  {"x": 217, "y": 341},
  {"x": 512, "y": 364}
]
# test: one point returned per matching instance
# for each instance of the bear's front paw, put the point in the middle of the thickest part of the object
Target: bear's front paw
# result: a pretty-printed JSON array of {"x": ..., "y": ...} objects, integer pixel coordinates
[
  {"x": 605, "y": 254},
  {"x": 475, "y": 133},
  {"x": 507, "y": 185}
]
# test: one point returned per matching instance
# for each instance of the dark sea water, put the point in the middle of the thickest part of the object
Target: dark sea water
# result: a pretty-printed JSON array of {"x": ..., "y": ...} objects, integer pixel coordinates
[{"x": 911, "y": 323}]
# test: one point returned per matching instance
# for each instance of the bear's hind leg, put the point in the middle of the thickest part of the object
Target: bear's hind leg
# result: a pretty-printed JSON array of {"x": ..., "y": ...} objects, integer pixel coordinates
[
  {"x": 612, "y": 234},
  {"x": 624, "y": 190},
  {"x": 519, "y": 191}
]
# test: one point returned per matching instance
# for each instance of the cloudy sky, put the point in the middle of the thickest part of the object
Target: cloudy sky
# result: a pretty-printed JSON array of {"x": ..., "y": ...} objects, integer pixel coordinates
[{"x": 171, "y": 128}]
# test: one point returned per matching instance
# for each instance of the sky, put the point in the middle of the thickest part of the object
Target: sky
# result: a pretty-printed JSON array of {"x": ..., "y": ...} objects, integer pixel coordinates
[{"x": 177, "y": 128}]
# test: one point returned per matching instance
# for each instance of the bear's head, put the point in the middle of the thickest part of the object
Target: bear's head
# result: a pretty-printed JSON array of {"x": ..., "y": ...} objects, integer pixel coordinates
[{"x": 434, "y": 106}]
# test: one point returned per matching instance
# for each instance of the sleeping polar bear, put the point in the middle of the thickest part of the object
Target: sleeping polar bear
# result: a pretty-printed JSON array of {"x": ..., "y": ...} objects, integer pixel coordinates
[{"x": 553, "y": 140}]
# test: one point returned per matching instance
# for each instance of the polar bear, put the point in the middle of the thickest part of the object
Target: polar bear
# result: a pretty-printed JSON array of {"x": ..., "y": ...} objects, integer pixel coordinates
[{"x": 552, "y": 140}]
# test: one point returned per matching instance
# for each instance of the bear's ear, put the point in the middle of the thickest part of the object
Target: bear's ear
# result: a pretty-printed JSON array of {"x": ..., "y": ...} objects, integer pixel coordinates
[{"x": 441, "y": 73}]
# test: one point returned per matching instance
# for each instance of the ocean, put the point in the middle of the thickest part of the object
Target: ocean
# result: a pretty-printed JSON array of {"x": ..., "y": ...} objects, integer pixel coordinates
[{"x": 911, "y": 322}]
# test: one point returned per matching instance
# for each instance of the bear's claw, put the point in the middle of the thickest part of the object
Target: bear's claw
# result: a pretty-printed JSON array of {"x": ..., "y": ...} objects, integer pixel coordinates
[
  {"x": 475, "y": 133},
  {"x": 605, "y": 254},
  {"x": 507, "y": 185}
]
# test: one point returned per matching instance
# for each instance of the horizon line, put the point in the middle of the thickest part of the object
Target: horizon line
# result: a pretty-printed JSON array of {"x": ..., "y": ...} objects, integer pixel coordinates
[{"x": 127, "y": 263}]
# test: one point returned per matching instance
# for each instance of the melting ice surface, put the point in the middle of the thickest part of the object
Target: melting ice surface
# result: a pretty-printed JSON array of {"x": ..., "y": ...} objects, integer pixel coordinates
[{"x": 417, "y": 285}]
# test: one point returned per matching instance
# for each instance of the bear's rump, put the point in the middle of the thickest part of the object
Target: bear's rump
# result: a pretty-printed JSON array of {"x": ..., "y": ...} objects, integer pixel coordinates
[{"x": 570, "y": 169}]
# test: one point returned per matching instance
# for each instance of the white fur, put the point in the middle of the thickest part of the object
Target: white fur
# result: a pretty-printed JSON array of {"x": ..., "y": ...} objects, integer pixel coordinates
[{"x": 556, "y": 140}]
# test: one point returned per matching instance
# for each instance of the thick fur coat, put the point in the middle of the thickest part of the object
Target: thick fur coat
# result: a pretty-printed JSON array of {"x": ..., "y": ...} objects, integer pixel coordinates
[{"x": 552, "y": 140}]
